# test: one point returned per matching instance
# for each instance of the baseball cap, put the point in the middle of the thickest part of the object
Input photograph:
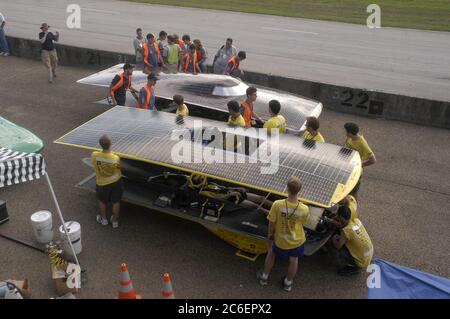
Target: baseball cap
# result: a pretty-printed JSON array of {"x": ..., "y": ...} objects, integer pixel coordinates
[{"x": 44, "y": 25}]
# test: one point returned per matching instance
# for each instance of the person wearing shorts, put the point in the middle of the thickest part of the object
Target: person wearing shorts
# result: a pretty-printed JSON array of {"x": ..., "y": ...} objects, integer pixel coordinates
[
  {"x": 108, "y": 182},
  {"x": 286, "y": 220}
]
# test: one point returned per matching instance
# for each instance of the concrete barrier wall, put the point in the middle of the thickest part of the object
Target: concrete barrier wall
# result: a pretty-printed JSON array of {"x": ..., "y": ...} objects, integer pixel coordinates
[{"x": 343, "y": 99}]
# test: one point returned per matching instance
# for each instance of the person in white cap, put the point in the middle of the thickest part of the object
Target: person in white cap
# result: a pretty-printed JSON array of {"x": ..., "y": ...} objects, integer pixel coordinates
[{"x": 48, "y": 51}]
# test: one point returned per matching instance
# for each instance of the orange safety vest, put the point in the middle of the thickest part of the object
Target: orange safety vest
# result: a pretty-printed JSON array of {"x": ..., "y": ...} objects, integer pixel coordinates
[
  {"x": 248, "y": 113},
  {"x": 199, "y": 55},
  {"x": 148, "y": 97},
  {"x": 235, "y": 64},
  {"x": 121, "y": 82},
  {"x": 187, "y": 59},
  {"x": 181, "y": 44},
  {"x": 158, "y": 53}
]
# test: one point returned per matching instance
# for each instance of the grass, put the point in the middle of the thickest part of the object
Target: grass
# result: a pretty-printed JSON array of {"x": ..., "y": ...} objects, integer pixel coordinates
[{"x": 414, "y": 14}]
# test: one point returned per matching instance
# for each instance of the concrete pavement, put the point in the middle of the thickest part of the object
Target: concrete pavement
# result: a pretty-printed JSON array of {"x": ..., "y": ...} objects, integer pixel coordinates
[
  {"x": 401, "y": 61},
  {"x": 404, "y": 204}
]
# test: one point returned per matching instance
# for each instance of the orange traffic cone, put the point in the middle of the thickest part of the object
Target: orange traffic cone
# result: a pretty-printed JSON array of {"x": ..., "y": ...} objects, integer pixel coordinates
[
  {"x": 126, "y": 287},
  {"x": 167, "y": 289}
]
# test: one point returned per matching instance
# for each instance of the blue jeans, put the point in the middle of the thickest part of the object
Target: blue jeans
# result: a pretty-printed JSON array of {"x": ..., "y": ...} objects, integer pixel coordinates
[{"x": 3, "y": 44}]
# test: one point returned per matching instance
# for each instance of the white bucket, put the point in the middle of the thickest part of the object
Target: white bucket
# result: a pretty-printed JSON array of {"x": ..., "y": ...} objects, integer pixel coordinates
[
  {"x": 74, "y": 231},
  {"x": 42, "y": 226}
]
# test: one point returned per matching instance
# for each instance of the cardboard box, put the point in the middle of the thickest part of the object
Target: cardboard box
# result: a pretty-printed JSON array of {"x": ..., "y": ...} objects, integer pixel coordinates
[{"x": 59, "y": 276}]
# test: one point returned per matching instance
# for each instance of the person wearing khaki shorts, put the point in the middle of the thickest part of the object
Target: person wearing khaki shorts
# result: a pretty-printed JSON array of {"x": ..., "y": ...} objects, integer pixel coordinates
[{"x": 48, "y": 52}]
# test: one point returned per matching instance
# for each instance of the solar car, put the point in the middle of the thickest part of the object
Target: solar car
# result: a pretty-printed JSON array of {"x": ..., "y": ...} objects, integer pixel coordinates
[
  {"x": 159, "y": 148},
  {"x": 207, "y": 95}
]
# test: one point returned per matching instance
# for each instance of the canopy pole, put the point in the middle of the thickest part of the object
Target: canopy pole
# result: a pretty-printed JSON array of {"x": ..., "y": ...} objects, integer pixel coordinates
[{"x": 61, "y": 217}]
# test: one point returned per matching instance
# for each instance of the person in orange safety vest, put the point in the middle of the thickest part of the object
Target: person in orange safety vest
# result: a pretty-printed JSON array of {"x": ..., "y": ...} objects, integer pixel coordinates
[
  {"x": 247, "y": 108},
  {"x": 152, "y": 55},
  {"x": 147, "y": 93},
  {"x": 190, "y": 63},
  {"x": 233, "y": 67},
  {"x": 120, "y": 84}
]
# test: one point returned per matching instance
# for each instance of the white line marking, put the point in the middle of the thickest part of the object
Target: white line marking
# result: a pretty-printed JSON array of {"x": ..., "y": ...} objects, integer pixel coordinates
[
  {"x": 96, "y": 10},
  {"x": 288, "y": 30}
]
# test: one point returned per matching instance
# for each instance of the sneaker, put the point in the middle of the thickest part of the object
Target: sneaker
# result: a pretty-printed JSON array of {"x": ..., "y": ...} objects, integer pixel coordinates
[
  {"x": 5, "y": 54},
  {"x": 348, "y": 270},
  {"x": 102, "y": 220},
  {"x": 286, "y": 287},
  {"x": 114, "y": 222},
  {"x": 262, "y": 281}
]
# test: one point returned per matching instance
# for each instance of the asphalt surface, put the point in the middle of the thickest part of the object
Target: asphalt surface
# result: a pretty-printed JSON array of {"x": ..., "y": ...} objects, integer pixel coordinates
[
  {"x": 404, "y": 204},
  {"x": 400, "y": 61}
]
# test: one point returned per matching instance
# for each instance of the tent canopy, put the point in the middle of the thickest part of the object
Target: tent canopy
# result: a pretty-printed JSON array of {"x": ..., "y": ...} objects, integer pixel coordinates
[
  {"x": 399, "y": 282},
  {"x": 18, "y": 167}
]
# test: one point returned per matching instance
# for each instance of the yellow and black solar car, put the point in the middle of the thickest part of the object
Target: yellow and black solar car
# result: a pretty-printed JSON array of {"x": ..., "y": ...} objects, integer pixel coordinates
[{"x": 154, "y": 145}]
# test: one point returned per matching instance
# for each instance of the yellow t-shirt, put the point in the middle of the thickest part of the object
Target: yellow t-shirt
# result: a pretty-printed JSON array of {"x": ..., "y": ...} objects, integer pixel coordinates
[
  {"x": 107, "y": 168},
  {"x": 232, "y": 143},
  {"x": 239, "y": 121},
  {"x": 318, "y": 137},
  {"x": 289, "y": 223},
  {"x": 358, "y": 242},
  {"x": 360, "y": 145},
  {"x": 183, "y": 112},
  {"x": 278, "y": 122},
  {"x": 353, "y": 206}
]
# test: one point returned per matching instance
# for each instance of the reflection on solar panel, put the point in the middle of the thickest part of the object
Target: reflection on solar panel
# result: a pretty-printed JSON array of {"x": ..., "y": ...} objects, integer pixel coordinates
[{"x": 146, "y": 135}]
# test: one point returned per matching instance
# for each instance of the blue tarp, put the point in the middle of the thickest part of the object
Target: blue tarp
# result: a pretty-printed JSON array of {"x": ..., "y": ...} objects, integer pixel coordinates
[{"x": 399, "y": 282}]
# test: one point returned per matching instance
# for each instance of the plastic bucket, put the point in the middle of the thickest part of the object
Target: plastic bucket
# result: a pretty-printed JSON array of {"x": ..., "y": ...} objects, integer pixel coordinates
[
  {"x": 41, "y": 222},
  {"x": 74, "y": 231}
]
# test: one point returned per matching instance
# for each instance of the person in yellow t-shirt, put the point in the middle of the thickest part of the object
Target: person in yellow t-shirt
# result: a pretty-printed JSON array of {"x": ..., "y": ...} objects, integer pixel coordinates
[
  {"x": 108, "y": 181},
  {"x": 182, "y": 109},
  {"x": 357, "y": 142},
  {"x": 286, "y": 220},
  {"x": 277, "y": 121},
  {"x": 352, "y": 247},
  {"x": 235, "y": 119},
  {"x": 312, "y": 130}
]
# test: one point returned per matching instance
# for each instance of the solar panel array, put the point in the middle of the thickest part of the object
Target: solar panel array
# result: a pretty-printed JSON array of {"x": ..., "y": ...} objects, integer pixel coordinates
[{"x": 146, "y": 135}]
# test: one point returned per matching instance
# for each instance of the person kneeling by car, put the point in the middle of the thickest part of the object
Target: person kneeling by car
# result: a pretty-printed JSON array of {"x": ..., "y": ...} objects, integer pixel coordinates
[{"x": 350, "y": 246}]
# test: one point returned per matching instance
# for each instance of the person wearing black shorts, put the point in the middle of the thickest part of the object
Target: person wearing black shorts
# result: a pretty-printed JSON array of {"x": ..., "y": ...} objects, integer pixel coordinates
[
  {"x": 111, "y": 193},
  {"x": 108, "y": 178}
]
